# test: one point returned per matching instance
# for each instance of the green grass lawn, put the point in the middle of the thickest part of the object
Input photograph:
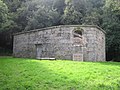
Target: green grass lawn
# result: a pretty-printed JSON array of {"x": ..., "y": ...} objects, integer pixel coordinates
[{"x": 30, "y": 74}]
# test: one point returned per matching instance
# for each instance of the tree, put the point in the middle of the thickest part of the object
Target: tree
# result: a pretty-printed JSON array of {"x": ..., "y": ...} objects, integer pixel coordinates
[
  {"x": 59, "y": 5},
  {"x": 71, "y": 16},
  {"x": 43, "y": 18},
  {"x": 3, "y": 14},
  {"x": 40, "y": 15},
  {"x": 94, "y": 12},
  {"x": 7, "y": 25},
  {"x": 111, "y": 24}
]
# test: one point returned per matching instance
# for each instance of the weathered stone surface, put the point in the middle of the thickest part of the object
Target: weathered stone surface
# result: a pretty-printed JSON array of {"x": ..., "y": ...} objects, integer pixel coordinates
[{"x": 75, "y": 42}]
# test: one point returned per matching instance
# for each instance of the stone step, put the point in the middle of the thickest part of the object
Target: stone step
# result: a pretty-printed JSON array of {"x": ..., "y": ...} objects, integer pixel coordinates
[{"x": 46, "y": 58}]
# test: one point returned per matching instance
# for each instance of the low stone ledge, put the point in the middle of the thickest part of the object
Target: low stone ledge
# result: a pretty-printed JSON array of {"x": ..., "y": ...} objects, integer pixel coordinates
[{"x": 46, "y": 58}]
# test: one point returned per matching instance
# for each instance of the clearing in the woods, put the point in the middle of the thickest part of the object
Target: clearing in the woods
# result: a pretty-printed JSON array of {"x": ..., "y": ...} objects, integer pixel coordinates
[{"x": 30, "y": 74}]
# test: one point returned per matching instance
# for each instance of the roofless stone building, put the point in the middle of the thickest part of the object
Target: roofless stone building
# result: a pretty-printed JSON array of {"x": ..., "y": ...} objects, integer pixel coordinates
[{"x": 74, "y": 42}]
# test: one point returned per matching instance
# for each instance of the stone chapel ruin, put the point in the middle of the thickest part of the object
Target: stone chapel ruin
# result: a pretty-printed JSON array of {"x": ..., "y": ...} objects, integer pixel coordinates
[{"x": 71, "y": 42}]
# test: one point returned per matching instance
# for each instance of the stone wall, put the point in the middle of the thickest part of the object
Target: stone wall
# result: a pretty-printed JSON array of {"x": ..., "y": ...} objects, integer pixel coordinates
[
  {"x": 95, "y": 48},
  {"x": 58, "y": 42},
  {"x": 20, "y": 45}
]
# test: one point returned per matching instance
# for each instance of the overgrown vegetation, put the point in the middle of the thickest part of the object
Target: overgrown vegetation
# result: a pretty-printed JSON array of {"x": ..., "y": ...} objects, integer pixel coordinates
[
  {"x": 29, "y": 74},
  {"x": 20, "y": 15},
  {"x": 4, "y": 52}
]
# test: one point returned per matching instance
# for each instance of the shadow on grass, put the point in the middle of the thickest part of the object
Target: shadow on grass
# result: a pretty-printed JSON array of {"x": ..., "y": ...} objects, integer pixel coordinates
[
  {"x": 109, "y": 63},
  {"x": 28, "y": 74}
]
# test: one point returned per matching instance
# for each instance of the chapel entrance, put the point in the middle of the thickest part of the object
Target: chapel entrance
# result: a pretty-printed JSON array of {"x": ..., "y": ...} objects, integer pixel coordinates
[{"x": 44, "y": 51}]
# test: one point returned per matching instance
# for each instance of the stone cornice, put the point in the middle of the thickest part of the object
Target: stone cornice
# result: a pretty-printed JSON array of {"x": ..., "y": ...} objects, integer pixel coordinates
[{"x": 47, "y": 28}]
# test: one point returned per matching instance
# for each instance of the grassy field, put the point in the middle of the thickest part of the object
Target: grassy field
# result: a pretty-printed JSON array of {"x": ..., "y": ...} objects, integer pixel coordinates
[{"x": 30, "y": 74}]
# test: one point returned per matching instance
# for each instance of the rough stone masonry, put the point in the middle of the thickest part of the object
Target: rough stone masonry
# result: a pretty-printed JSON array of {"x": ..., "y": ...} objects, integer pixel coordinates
[{"x": 71, "y": 42}]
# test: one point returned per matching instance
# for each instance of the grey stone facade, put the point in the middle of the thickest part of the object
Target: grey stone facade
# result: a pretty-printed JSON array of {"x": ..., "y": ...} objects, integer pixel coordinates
[{"x": 72, "y": 42}]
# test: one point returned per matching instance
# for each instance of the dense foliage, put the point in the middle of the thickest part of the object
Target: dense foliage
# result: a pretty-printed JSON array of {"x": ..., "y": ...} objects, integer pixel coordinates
[{"x": 19, "y": 15}]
